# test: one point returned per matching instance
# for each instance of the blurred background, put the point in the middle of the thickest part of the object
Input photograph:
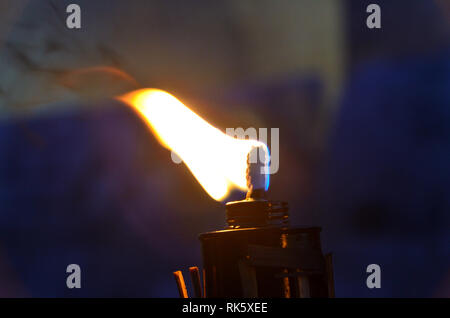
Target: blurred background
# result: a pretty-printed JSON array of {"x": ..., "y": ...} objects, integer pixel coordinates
[{"x": 363, "y": 115}]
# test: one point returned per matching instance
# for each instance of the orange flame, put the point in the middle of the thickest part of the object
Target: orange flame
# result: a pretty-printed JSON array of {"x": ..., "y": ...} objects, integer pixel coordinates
[{"x": 218, "y": 161}]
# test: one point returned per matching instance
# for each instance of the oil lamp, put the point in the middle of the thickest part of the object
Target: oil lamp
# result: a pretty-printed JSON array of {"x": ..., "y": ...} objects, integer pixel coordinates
[{"x": 258, "y": 254}]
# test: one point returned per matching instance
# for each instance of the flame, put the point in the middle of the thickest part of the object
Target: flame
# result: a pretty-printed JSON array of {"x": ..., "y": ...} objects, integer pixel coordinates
[{"x": 217, "y": 160}]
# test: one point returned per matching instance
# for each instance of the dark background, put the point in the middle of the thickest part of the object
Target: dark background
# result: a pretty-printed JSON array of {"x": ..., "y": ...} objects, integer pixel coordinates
[{"x": 364, "y": 123}]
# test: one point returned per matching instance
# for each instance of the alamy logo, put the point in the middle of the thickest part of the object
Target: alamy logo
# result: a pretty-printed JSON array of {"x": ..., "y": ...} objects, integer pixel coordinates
[
  {"x": 252, "y": 133},
  {"x": 374, "y": 279},
  {"x": 73, "y": 21},
  {"x": 74, "y": 279},
  {"x": 374, "y": 19}
]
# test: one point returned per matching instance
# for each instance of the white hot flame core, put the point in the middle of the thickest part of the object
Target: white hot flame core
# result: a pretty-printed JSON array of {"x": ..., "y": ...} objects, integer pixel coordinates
[{"x": 218, "y": 161}]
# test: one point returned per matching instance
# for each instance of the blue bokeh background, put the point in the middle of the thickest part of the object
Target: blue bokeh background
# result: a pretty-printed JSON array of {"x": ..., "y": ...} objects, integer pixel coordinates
[{"x": 86, "y": 182}]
